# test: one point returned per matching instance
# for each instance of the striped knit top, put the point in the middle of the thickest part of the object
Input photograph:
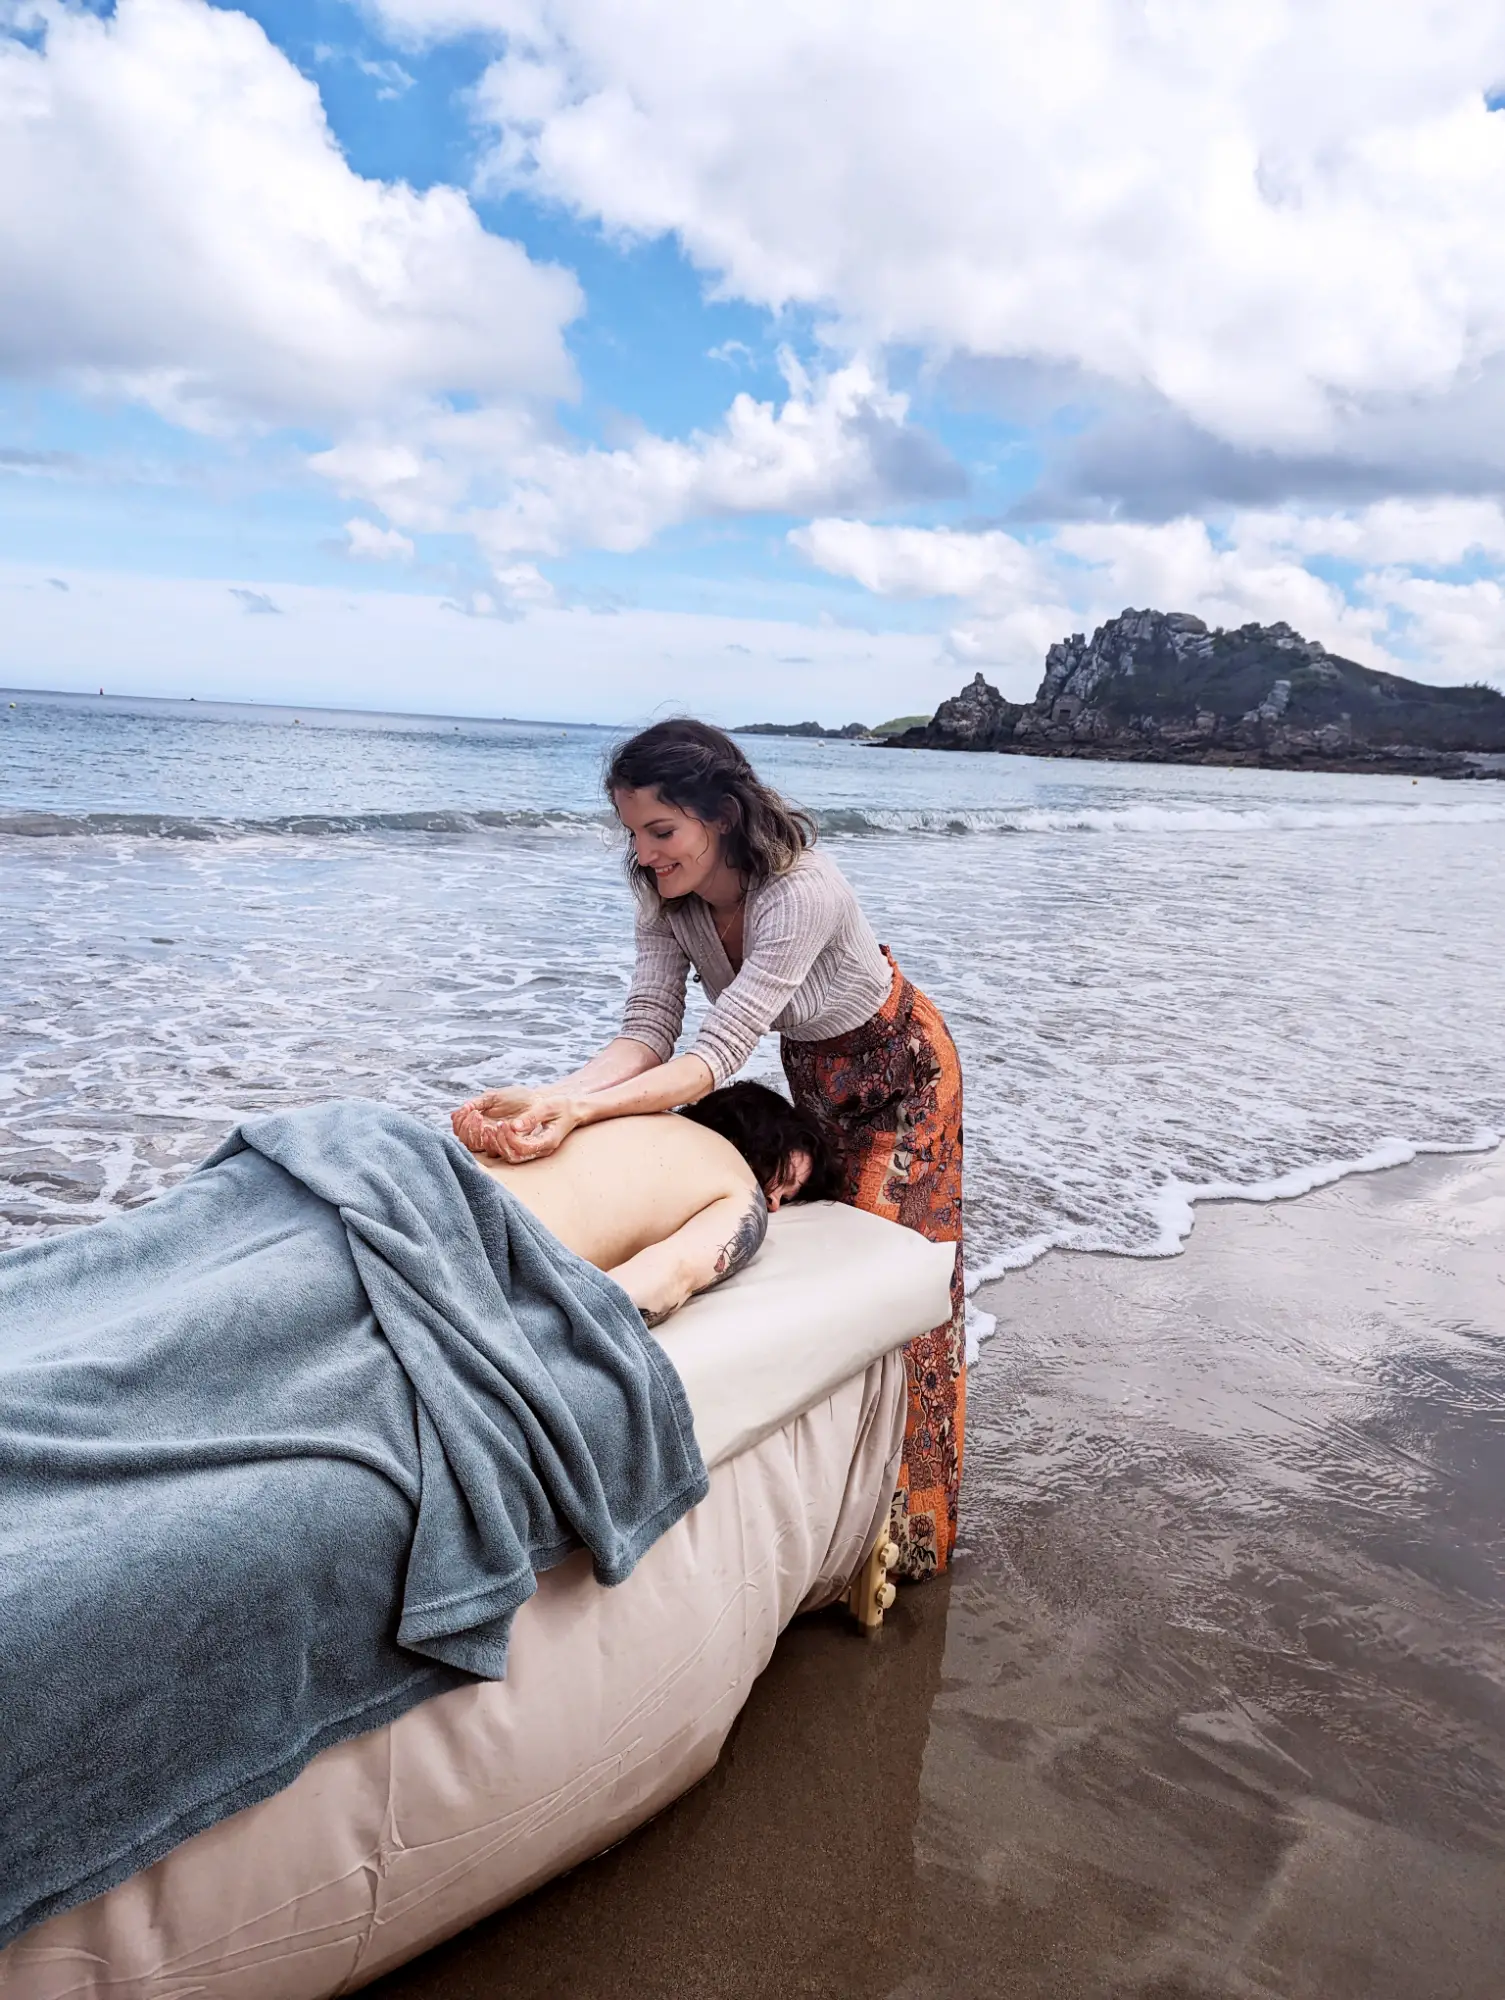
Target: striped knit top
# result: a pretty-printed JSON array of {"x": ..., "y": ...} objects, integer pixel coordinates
[{"x": 811, "y": 968}]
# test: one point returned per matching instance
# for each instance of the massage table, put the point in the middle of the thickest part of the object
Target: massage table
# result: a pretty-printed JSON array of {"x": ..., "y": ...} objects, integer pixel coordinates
[{"x": 616, "y": 1700}]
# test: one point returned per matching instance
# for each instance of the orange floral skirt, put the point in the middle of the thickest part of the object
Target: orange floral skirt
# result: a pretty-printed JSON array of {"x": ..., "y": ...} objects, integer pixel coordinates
[{"x": 891, "y": 1093}]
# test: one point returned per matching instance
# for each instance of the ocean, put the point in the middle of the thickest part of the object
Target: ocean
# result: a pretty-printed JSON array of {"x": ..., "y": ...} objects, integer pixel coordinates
[{"x": 1165, "y": 982}]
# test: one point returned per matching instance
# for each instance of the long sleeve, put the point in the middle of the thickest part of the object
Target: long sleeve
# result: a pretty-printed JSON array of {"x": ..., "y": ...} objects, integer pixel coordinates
[
  {"x": 797, "y": 916},
  {"x": 655, "y": 1010}
]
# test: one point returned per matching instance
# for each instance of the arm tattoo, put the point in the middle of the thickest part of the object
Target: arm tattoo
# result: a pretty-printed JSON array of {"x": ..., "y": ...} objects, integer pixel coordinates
[
  {"x": 745, "y": 1243},
  {"x": 739, "y": 1249}
]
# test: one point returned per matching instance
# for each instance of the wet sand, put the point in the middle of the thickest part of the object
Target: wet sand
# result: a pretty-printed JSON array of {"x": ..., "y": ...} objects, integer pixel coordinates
[{"x": 1213, "y": 1704}]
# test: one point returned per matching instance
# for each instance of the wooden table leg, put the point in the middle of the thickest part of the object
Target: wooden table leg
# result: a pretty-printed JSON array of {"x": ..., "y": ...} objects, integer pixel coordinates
[{"x": 871, "y": 1593}]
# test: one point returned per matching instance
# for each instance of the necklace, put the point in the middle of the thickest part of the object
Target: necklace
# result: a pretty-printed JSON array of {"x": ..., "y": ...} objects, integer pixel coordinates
[{"x": 724, "y": 933}]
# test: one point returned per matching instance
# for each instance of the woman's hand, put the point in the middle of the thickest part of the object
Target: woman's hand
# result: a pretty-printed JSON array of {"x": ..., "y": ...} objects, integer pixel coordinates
[
  {"x": 474, "y": 1122},
  {"x": 520, "y": 1125},
  {"x": 516, "y": 1125},
  {"x": 508, "y": 1103}
]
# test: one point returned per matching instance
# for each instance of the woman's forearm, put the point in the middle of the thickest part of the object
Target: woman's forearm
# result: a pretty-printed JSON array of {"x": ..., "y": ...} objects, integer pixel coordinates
[
  {"x": 617, "y": 1063},
  {"x": 664, "y": 1087}
]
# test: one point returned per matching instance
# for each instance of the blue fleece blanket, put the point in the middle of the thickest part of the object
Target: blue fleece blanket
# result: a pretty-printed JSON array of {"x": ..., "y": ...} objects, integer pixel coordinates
[{"x": 280, "y": 1456}]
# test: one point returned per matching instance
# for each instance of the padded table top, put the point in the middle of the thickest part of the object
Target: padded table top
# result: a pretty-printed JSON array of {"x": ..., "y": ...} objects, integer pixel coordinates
[{"x": 832, "y": 1289}]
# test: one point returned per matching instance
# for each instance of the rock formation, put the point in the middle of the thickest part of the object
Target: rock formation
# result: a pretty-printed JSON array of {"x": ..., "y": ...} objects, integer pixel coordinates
[
  {"x": 1158, "y": 686},
  {"x": 976, "y": 719}
]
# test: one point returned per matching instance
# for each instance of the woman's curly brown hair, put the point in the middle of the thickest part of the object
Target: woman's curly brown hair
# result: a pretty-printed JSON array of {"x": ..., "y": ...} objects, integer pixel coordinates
[{"x": 699, "y": 769}]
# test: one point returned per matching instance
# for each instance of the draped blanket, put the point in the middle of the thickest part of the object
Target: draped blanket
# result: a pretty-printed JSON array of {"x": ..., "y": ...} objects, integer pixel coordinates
[{"x": 281, "y": 1454}]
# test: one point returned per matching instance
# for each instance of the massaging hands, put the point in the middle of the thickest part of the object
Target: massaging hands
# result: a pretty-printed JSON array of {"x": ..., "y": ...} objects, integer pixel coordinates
[{"x": 516, "y": 1125}]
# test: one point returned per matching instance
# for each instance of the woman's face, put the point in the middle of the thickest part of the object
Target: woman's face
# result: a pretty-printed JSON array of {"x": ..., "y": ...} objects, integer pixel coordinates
[
  {"x": 793, "y": 1175},
  {"x": 681, "y": 852}
]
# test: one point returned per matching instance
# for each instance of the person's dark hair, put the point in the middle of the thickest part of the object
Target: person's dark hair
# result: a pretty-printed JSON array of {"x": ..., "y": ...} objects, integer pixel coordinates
[
  {"x": 699, "y": 769},
  {"x": 766, "y": 1129}
]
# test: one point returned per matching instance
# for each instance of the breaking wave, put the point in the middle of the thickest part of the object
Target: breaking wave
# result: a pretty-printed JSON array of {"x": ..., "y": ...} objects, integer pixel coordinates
[
  {"x": 1152, "y": 819},
  {"x": 39, "y": 824},
  {"x": 848, "y": 821}
]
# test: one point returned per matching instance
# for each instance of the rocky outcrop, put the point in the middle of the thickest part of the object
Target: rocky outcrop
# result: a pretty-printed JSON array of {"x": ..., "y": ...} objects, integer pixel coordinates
[
  {"x": 1161, "y": 687},
  {"x": 976, "y": 719}
]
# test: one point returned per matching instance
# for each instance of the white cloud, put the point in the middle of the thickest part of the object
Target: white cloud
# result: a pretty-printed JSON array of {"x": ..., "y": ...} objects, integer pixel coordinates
[
  {"x": 391, "y": 79},
  {"x": 837, "y": 440},
  {"x": 366, "y": 542},
  {"x": 1022, "y": 595},
  {"x": 1011, "y": 644},
  {"x": 1432, "y": 534},
  {"x": 1179, "y": 566},
  {"x": 1459, "y": 624},
  {"x": 920, "y": 562},
  {"x": 178, "y": 227},
  {"x": 1268, "y": 215},
  {"x": 1021, "y": 604},
  {"x": 419, "y": 472},
  {"x": 517, "y": 588}
]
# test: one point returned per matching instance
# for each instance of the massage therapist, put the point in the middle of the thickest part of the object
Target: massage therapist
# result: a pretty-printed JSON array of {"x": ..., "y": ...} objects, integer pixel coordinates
[{"x": 728, "y": 881}]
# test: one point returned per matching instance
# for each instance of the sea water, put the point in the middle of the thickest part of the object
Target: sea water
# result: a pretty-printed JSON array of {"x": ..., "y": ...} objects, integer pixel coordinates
[{"x": 1163, "y": 980}]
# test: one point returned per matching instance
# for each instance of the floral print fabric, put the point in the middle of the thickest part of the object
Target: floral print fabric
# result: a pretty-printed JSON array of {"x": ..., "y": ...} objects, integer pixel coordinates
[{"x": 891, "y": 1092}]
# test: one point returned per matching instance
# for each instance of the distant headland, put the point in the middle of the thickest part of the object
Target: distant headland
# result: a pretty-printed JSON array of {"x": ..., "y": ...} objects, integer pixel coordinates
[
  {"x": 851, "y": 732},
  {"x": 1160, "y": 687}
]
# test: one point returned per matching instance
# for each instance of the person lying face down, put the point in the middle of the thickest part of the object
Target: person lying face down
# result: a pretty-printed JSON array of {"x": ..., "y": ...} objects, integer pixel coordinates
[{"x": 673, "y": 1203}]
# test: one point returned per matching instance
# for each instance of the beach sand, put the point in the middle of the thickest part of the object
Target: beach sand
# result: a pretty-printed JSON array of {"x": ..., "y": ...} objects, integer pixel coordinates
[{"x": 1213, "y": 1702}]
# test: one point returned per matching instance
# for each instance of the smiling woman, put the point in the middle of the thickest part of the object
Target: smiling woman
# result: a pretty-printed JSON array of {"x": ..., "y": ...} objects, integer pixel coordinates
[{"x": 728, "y": 882}]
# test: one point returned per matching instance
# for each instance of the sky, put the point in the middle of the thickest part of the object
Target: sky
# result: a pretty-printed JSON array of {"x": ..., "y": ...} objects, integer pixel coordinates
[{"x": 594, "y": 358}]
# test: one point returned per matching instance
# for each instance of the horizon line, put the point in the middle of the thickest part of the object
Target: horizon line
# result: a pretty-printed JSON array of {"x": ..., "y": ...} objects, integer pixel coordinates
[
  {"x": 306, "y": 707},
  {"x": 393, "y": 714}
]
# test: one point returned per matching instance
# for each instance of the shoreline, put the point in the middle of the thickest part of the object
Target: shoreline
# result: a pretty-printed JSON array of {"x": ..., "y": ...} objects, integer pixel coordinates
[
  {"x": 1456, "y": 766},
  {"x": 1178, "y": 1202}
]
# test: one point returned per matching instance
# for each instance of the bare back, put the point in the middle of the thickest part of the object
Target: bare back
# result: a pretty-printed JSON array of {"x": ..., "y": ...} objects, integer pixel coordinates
[{"x": 666, "y": 1206}]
